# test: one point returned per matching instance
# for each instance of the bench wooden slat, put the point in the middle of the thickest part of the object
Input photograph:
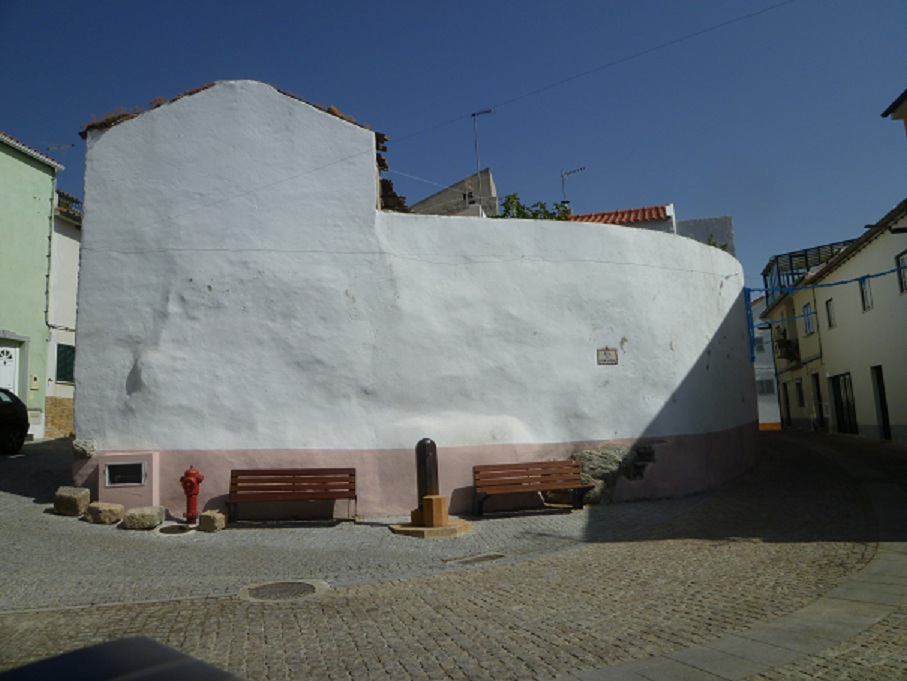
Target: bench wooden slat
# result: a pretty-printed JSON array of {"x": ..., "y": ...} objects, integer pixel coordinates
[
  {"x": 552, "y": 475},
  {"x": 529, "y": 486},
  {"x": 298, "y": 472},
  {"x": 262, "y": 491},
  {"x": 293, "y": 496},
  {"x": 283, "y": 485},
  {"x": 534, "y": 475},
  {"x": 525, "y": 464}
]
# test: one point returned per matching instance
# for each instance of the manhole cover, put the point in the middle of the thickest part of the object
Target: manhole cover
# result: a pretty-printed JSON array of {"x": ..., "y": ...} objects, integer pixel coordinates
[
  {"x": 283, "y": 591},
  {"x": 175, "y": 529}
]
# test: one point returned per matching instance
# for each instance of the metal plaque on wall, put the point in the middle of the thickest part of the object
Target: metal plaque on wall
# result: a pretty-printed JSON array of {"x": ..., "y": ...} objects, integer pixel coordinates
[{"x": 607, "y": 356}]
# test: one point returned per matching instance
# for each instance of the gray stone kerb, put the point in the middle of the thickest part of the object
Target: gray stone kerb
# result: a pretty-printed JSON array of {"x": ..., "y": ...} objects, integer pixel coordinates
[{"x": 860, "y": 602}]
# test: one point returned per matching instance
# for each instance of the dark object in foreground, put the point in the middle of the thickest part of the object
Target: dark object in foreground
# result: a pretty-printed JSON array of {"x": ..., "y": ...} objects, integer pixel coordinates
[
  {"x": 532, "y": 476},
  {"x": 128, "y": 658},
  {"x": 289, "y": 484},
  {"x": 13, "y": 423}
]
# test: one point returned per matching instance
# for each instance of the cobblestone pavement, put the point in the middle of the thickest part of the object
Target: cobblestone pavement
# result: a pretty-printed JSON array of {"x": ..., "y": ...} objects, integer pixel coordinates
[{"x": 527, "y": 597}]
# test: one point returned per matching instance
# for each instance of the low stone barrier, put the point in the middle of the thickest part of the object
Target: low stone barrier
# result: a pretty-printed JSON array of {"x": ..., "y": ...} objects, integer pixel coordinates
[
  {"x": 105, "y": 513},
  {"x": 212, "y": 521},
  {"x": 143, "y": 518},
  {"x": 71, "y": 501}
]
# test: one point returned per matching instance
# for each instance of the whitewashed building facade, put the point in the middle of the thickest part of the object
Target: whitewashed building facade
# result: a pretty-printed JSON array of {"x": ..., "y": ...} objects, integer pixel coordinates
[{"x": 244, "y": 302}]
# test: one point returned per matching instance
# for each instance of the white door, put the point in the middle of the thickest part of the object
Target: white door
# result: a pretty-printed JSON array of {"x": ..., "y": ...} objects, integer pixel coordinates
[{"x": 9, "y": 368}]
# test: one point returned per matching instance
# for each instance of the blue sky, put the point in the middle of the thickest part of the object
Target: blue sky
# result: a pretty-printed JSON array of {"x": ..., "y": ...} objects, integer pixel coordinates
[{"x": 773, "y": 119}]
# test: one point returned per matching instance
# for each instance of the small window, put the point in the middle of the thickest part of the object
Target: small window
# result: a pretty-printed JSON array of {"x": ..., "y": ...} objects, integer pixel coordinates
[
  {"x": 765, "y": 386},
  {"x": 865, "y": 294},
  {"x": 66, "y": 360},
  {"x": 759, "y": 344},
  {"x": 830, "y": 313},
  {"x": 125, "y": 474},
  {"x": 801, "y": 400},
  {"x": 808, "y": 319},
  {"x": 900, "y": 260}
]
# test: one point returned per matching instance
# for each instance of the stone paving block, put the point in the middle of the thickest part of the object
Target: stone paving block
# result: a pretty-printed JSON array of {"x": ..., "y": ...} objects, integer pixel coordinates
[
  {"x": 871, "y": 592},
  {"x": 621, "y": 672},
  {"x": 212, "y": 521},
  {"x": 767, "y": 653},
  {"x": 787, "y": 635},
  {"x": 885, "y": 566},
  {"x": 721, "y": 664},
  {"x": 838, "y": 609},
  {"x": 666, "y": 669},
  {"x": 71, "y": 501},
  {"x": 105, "y": 513},
  {"x": 143, "y": 518},
  {"x": 832, "y": 630}
]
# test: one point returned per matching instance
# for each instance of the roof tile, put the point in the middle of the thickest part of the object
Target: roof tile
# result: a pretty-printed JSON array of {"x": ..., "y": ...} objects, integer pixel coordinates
[
  {"x": 13, "y": 142},
  {"x": 625, "y": 217}
]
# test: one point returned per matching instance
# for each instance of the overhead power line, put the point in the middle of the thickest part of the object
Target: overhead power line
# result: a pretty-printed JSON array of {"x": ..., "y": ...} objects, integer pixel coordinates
[{"x": 608, "y": 65}]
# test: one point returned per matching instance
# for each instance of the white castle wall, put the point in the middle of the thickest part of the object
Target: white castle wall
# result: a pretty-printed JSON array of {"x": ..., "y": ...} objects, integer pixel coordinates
[{"x": 242, "y": 303}]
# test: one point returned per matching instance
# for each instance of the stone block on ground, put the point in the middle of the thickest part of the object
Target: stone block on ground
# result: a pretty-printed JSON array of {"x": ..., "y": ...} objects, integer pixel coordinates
[
  {"x": 212, "y": 521},
  {"x": 601, "y": 467},
  {"x": 143, "y": 518},
  {"x": 105, "y": 513},
  {"x": 71, "y": 500},
  {"x": 84, "y": 448}
]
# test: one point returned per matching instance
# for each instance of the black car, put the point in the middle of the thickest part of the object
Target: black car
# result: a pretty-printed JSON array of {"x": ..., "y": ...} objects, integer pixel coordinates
[{"x": 13, "y": 423}]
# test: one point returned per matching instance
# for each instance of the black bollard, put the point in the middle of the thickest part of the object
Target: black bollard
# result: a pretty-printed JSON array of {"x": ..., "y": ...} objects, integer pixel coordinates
[{"x": 426, "y": 469}]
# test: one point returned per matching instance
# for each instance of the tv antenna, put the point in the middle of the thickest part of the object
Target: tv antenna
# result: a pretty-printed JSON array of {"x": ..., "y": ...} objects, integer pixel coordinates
[
  {"x": 564, "y": 175},
  {"x": 475, "y": 135}
]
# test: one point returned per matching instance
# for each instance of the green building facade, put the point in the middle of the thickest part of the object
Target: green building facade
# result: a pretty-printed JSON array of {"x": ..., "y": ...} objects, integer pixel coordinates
[{"x": 27, "y": 190}]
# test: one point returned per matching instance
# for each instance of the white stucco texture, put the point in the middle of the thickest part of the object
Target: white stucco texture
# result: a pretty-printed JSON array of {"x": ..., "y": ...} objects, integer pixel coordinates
[{"x": 240, "y": 291}]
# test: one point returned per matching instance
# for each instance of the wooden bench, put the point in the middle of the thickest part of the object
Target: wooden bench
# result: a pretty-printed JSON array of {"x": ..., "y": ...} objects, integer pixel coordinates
[
  {"x": 534, "y": 476},
  {"x": 289, "y": 484}
]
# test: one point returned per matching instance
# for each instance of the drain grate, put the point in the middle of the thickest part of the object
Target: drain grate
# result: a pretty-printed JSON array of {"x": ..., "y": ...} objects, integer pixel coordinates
[
  {"x": 469, "y": 560},
  {"x": 283, "y": 591},
  {"x": 175, "y": 529}
]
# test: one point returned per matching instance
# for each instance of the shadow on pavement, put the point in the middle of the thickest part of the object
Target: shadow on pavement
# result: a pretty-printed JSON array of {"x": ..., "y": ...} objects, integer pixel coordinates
[
  {"x": 38, "y": 470},
  {"x": 803, "y": 488}
]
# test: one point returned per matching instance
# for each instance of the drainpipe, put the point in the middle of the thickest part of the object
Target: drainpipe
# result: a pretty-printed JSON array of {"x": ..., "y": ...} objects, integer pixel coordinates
[
  {"x": 50, "y": 241},
  {"x": 820, "y": 417},
  {"x": 50, "y": 244}
]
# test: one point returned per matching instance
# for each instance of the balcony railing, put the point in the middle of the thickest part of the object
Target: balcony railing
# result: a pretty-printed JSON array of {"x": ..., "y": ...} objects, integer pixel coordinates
[
  {"x": 788, "y": 349},
  {"x": 69, "y": 205}
]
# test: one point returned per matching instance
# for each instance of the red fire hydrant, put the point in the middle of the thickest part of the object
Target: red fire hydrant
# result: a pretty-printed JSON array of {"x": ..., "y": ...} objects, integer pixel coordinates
[{"x": 191, "y": 481}]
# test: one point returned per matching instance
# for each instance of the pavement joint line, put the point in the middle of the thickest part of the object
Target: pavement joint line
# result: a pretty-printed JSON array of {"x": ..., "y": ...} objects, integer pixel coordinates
[{"x": 116, "y": 604}]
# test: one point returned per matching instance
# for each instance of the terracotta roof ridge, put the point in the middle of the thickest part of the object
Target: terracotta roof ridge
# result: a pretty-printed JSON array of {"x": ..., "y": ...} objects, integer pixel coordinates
[{"x": 628, "y": 215}]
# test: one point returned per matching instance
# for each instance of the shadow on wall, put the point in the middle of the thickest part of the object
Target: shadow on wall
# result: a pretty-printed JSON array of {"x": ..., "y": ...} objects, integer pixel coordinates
[
  {"x": 761, "y": 507},
  {"x": 767, "y": 488},
  {"x": 689, "y": 463}
]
